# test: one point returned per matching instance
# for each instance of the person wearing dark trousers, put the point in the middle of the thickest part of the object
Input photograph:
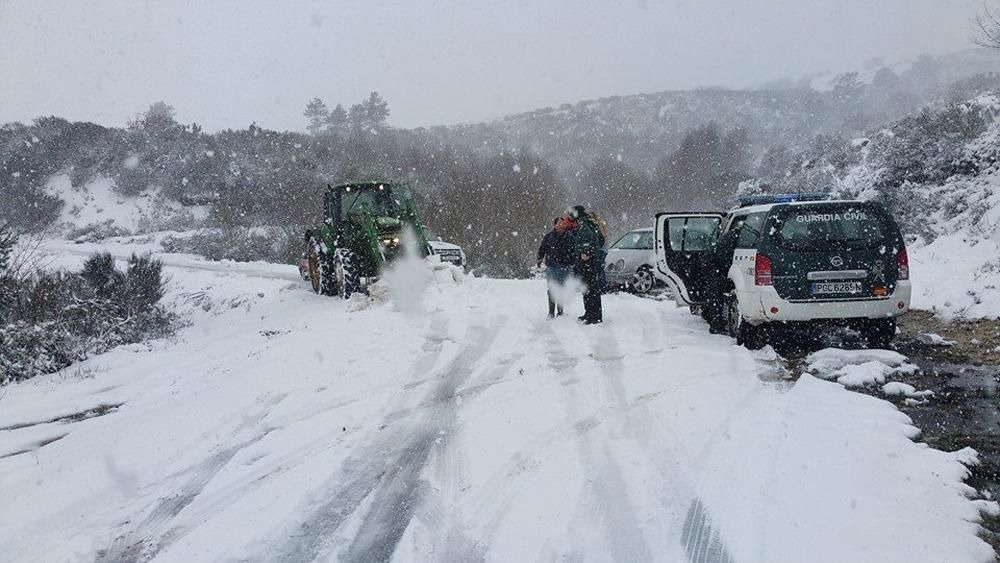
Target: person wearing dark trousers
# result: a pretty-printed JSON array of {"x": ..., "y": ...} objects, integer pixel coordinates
[
  {"x": 556, "y": 251},
  {"x": 589, "y": 242},
  {"x": 718, "y": 260}
]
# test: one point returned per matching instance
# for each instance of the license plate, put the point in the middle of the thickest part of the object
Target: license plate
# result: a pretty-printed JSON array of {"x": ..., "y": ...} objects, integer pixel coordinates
[{"x": 836, "y": 287}]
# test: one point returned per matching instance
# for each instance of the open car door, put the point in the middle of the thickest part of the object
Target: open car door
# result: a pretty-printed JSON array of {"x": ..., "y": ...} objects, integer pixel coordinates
[{"x": 683, "y": 241}]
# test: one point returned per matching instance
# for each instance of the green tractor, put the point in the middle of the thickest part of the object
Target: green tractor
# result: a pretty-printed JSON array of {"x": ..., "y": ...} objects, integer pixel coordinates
[{"x": 363, "y": 228}]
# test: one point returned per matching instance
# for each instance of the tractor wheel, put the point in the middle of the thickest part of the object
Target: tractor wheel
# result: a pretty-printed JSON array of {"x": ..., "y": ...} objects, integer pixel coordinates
[
  {"x": 348, "y": 273},
  {"x": 319, "y": 270},
  {"x": 328, "y": 279}
]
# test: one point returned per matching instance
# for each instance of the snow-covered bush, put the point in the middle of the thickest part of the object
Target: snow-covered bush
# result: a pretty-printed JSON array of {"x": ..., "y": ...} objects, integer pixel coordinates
[
  {"x": 97, "y": 231},
  {"x": 904, "y": 164},
  {"x": 58, "y": 318}
]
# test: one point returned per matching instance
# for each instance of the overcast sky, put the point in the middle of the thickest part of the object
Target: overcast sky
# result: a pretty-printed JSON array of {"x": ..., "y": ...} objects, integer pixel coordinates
[{"x": 227, "y": 63}]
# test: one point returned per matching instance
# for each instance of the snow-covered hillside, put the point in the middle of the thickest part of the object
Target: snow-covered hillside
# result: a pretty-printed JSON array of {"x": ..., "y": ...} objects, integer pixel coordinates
[
  {"x": 958, "y": 274},
  {"x": 97, "y": 205},
  {"x": 283, "y": 426},
  {"x": 642, "y": 129},
  {"x": 954, "y": 221}
]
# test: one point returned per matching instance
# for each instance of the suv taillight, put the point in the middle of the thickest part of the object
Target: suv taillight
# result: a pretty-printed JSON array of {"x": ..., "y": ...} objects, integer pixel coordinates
[
  {"x": 902, "y": 264},
  {"x": 762, "y": 270}
]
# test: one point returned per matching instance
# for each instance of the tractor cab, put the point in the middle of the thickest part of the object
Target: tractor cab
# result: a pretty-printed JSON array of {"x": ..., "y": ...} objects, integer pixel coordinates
[{"x": 369, "y": 218}]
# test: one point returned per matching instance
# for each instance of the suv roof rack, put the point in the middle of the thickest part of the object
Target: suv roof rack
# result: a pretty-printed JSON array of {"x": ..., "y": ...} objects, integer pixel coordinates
[{"x": 764, "y": 199}]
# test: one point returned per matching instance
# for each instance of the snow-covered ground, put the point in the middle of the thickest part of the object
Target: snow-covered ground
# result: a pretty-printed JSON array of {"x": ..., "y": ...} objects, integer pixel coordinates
[
  {"x": 958, "y": 276},
  {"x": 282, "y": 426}
]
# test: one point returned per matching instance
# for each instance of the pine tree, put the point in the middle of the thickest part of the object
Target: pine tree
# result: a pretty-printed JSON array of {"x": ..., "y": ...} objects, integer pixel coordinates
[
  {"x": 317, "y": 114},
  {"x": 357, "y": 117},
  {"x": 376, "y": 111},
  {"x": 337, "y": 121},
  {"x": 159, "y": 117}
]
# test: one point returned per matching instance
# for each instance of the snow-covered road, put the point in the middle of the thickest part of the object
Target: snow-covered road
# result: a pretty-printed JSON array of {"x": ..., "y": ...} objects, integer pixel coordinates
[{"x": 280, "y": 426}]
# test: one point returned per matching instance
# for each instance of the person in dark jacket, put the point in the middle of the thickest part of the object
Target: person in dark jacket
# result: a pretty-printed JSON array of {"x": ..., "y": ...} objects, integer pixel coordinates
[
  {"x": 590, "y": 254},
  {"x": 718, "y": 260},
  {"x": 557, "y": 252}
]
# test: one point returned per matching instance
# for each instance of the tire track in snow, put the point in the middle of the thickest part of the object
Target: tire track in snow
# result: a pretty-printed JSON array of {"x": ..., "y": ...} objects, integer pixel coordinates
[
  {"x": 149, "y": 536},
  {"x": 453, "y": 544},
  {"x": 230, "y": 493},
  {"x": 389, "y": 472},
  {"x": 606, "y": 484},
  {"x": 702, "y": 543},
  {"x": 701, "y": 540},
  {"x": 395, "y": 503},
  {"x": 502, "y": 487}
]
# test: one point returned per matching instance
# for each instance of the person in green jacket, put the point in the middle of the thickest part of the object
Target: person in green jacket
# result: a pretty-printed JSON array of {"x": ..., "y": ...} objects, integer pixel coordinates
[{"x": 590, "y": 254}]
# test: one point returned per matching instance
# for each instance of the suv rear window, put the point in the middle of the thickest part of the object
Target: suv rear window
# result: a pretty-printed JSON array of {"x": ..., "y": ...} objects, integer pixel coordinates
[
  {"x": 819, "y": 227},
  {"x": 750, "y": 230}
]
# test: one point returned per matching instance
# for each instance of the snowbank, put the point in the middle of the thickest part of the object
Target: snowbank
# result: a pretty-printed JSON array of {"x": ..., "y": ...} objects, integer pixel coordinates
[
  {"x": 958, "y": 276},
  {"x": 856, "y": 368},
  {"x": 909, "y": 391}
]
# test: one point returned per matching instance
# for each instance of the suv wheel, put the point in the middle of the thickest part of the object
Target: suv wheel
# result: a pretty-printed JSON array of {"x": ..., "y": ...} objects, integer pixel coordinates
[
  {"x": 880, "y": 332},
  {"x": 642, "y": 280},
  {"x": 745, "y": 333}
]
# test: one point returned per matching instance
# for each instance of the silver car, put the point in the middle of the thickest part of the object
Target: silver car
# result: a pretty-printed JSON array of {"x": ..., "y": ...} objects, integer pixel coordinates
[{"x": 630, "y": 261}]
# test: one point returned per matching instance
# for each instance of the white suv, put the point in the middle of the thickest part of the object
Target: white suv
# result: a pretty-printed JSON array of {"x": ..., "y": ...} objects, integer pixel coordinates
[{"x": 788, "y": 259}]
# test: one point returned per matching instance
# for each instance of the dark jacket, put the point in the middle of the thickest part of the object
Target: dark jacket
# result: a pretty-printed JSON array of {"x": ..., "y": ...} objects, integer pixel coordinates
[
  {"x": 557, "y": 249},
  {"x": 589, "y": 240}
]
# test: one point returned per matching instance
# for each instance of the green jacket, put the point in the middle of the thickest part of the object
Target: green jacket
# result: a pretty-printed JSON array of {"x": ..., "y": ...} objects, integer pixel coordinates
[{"x": 587, "y": 237}]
